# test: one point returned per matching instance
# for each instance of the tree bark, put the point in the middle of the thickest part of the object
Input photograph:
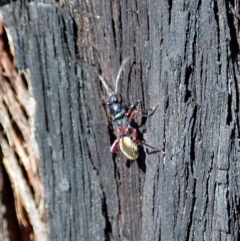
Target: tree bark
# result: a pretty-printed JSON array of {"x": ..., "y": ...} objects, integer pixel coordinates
[{"x": 184, "y": 57}]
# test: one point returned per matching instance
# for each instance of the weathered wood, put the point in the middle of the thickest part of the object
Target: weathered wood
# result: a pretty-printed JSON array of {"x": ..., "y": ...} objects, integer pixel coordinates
[
  {"x": 21, "y": 181},
  {"x": 185, "y": 56},
  {"x": 196, "y": 185}
]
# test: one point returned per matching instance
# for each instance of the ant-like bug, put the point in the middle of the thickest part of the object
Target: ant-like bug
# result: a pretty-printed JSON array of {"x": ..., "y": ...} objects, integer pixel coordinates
[{"x": 127, "y": 138}]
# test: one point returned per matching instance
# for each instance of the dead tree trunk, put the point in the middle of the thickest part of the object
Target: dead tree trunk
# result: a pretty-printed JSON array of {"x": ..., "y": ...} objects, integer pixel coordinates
[{"x": 185, "y": 57}]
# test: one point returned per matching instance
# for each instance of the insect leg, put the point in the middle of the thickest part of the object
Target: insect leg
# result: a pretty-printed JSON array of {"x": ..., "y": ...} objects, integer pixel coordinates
[
  {"x": 114, "y": 147},
  {"x": 145, "y": 144},
  {"x": 144, "y": 111},
  {"x": 133, "y": 111}
]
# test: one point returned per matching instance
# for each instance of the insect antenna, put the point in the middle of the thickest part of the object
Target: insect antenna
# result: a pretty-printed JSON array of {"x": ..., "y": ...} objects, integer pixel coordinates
[
  {"x": 120, "y": 71},
  {"x": 107, "y": 88}
]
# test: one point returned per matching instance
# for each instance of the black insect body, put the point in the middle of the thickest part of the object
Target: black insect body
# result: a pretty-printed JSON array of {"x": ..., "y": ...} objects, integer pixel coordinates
[{"x": 118, "y": 112}]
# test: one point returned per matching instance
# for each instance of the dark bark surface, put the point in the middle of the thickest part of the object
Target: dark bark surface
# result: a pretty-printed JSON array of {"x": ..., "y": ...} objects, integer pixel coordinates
[{"x": 185, "y": 57}]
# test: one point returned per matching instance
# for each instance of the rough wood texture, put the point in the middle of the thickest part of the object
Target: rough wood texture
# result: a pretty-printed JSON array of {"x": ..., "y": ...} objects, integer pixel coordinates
[{"x": 185, "y": 56}]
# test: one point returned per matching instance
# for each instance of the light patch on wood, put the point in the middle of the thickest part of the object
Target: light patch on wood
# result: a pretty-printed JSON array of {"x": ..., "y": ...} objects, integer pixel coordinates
[{"x": 17, "y": 140}]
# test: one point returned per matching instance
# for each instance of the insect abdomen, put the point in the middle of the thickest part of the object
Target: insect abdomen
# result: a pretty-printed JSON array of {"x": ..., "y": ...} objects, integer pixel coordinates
[{"x": 129, "y": 148}]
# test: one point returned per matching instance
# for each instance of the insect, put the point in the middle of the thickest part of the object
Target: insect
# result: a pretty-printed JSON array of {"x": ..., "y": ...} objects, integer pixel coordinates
[{"x": 127, "y": 137}]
